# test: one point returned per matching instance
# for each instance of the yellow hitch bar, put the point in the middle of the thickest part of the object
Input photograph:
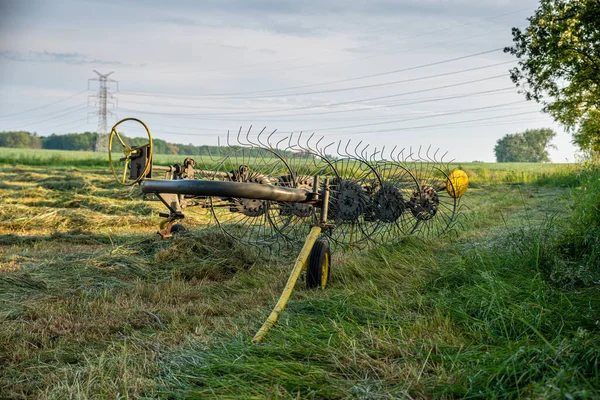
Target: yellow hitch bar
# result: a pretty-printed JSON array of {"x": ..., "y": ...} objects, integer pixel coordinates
[{"x": 299, "y": 266}]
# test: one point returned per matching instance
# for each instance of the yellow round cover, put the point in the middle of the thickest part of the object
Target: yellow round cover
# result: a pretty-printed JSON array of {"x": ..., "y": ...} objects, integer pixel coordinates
[{"x": 457, "y": 183}]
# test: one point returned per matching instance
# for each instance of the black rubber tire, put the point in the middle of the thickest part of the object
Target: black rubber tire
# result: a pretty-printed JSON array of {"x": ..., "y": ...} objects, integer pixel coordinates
[
  {"x": 318, "y": 258},
  {"x": 176, "y": 229}
]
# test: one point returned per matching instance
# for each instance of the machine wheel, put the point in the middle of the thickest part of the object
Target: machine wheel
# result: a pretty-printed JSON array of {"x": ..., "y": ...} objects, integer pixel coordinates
[
  {"x": 319, "y": 265},
  {"x": 176, "y": 229}
]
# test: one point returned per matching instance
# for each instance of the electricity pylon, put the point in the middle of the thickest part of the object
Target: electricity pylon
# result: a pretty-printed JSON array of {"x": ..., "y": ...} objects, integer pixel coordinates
[{"x": 102, "y": 100}]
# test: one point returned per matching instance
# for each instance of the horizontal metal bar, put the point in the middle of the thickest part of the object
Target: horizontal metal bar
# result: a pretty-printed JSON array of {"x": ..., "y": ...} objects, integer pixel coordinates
[
  {"x": 161, "y": 168},
  {"x": 226, "y": 189}
]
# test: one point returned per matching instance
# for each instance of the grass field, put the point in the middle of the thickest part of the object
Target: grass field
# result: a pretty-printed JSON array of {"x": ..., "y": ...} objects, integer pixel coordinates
[{"x": 94, "y": 305}]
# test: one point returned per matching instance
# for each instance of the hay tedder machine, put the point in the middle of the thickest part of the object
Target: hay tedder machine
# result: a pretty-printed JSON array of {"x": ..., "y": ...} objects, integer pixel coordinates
[{"x": 299, "y": 190}]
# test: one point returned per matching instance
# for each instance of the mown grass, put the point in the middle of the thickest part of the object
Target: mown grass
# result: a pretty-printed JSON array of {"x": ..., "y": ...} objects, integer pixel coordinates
[{"x": 94, "y": 305}]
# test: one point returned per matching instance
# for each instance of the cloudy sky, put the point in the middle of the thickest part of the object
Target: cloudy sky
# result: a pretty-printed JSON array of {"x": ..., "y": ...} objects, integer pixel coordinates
[{"x": 387, "y": 72}]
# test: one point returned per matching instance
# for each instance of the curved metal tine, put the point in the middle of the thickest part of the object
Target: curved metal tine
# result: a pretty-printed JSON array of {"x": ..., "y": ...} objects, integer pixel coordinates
[
  {"x": 318, "y": 145},
  {"x": 250, "y": 143},
  {"x": 363, "y": 152},
  {"x": 221, "y": 152},
  {"x": 435, "y": 155},
  {"x": 372, "y": 156},
  {"x": 382, "y": 153},
  {"x": 356, "y": 152},
  {"x": 411, "y": 155},
  {"x": 308, "y": 148},
  {"x": 359, "y": 154},
  {"x": 261, "y": 144},
  {"x": 269, "y": 139},
  {"x": 290, "y": 146},
  {"x": 218, "y": 147},
  {"x": 238, "y": 137},
  {"x": 347, "y": 154},
  {"x": 309, "y": 139},
  {"x": 392, "y": 153},
  {"x": 299, "y": 141},
  {"x": 401, "y": 153},
  {"x": 427, "y": 156},
  {"x": 281, "y": 141},
  {"x": 324, "y": 155}
]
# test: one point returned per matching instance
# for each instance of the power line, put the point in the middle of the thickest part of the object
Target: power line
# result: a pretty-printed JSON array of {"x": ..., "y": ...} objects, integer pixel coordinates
[
  {"x": 457, "y": 125},
  {"x": 43, "y": 106},
  {"x": 427, "y": 116},
  {"x": 341, "y": 89},
  {"x": 376, "y": 118},
  {"x": 421, "y": 101},
  {"x": 325, "y": 83},
  {"x": 326, "y": 105},
  {"x": 67, "y": 123},
  {"x": 420, "y": 117},
  {"x": 80, "y": 107},
  {"x": 403, "y": 50},
  {"x": 52, "y": 113},
  {"x": 369, "y": 108},
  {"x": 435, "y": 125}
]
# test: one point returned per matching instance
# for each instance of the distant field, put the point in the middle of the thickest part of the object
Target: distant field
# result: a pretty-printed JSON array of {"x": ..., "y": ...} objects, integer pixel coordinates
[
  {"x": 65, "y": 158},
  {"x": 479, "y": 173}
]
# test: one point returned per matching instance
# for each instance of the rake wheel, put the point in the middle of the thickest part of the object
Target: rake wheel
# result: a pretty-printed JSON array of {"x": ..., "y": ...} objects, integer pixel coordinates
[
  {"x": 350, "y": 202},
  {"x": 250, "y": 221},
  {"x": 390, "y": 203},
  {"x": 300, "y": 217},
  {"x": 431, "y": 205}
]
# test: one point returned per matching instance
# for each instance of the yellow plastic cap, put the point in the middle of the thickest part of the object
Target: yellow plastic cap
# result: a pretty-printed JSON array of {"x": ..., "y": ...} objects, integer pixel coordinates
[{"x": 457, "y": 183}]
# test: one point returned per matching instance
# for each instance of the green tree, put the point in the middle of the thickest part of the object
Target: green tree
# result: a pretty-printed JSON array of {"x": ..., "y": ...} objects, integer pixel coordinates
[
  {"x": 20, "y": 139},
  {"x": 559, "y": 64},
  {"x": 70, "y": 141},
  {"x": 529, "y": 146}
]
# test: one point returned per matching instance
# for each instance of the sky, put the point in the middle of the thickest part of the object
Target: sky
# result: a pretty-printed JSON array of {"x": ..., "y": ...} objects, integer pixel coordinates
[{"x": 404, "y": 73}]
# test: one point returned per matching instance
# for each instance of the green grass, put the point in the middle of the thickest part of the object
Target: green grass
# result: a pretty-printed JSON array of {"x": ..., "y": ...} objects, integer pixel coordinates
[
  {"x": 94, "y": 305},
  {"x": 77, "y": 159},
  {"x": 479, "y": 173}
]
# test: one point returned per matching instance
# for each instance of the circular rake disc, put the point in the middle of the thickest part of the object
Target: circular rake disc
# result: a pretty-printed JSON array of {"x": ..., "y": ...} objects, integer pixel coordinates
[
  {"x": 430, "y": 204},
  {"x": 250, "y": 221},
  {"x": 350, "y": 207},
  {"x": 389, "y": 203},
  {"x": 301, "y": 217}
]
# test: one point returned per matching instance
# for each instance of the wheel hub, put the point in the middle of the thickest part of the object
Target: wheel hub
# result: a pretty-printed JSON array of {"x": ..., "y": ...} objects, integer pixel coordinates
[
  {"x": 349, "y": 201},
  {"x": 249, "y": 207},
  {"x": 424, "y": 203},
  {"x": 388, "y": 204}
]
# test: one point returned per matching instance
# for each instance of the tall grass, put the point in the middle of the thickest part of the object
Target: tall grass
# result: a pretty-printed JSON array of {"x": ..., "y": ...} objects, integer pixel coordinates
[{"x": 94, "y": 305}]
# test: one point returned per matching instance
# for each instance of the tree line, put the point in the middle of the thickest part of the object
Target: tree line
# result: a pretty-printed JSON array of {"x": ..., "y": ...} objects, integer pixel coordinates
[{"x": 86, "y": 141}]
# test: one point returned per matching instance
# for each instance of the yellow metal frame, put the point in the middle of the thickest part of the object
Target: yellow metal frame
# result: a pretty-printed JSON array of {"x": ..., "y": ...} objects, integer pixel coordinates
[
  {"x": 299, "y": 266},
  {"x": 128, "y": 151},
  {"x": 325, "y": 271}
]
